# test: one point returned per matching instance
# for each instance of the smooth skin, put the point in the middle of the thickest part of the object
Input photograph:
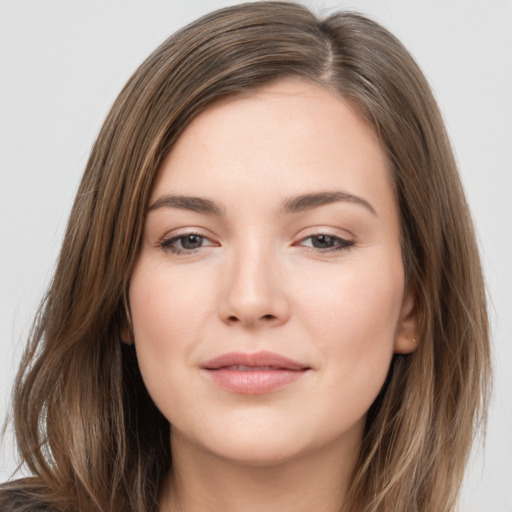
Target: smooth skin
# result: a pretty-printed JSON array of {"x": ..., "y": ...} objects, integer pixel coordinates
[{"x": 246, "y": 268}]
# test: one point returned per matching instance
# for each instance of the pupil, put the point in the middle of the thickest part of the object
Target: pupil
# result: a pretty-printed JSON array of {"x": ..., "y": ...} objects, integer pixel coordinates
[
  {"x": 322, "y": 241},
  {"x": 191, "y": 242}
]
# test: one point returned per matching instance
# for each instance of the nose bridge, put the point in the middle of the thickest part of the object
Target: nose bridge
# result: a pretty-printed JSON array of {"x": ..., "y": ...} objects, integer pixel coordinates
[{"x": 254, "y": 291}]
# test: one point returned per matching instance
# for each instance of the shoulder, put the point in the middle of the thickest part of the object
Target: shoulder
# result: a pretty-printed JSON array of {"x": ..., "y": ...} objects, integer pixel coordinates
[{"x": 22, "y": 496}]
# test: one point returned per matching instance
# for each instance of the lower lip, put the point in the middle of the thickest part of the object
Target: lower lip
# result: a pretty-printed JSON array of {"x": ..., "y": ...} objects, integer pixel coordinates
[{"x": 254, "y": 382}]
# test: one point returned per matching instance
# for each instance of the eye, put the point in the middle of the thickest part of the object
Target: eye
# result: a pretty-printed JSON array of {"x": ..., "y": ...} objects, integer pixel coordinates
[
  {"x": 324, "y": 242},
  {"x": 185, "y": 244}
]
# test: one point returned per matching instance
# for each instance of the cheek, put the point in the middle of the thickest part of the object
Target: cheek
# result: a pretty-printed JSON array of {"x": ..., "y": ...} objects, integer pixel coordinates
[
  {"x": 360, "y": 301},
  {"x": 165, "y": 305},
  {"x": 354, "y": 322},
  {"x": 166, "y": 322}
]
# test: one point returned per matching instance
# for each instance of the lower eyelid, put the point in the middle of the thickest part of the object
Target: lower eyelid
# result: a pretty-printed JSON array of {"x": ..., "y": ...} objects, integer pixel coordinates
[
  {"x": 167, "y": 243},
  {"x": 340, "y": 242}
]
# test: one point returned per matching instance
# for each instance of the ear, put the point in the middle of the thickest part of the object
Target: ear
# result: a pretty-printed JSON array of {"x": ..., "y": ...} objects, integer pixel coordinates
[
  {"x": 126, "y": 334},
  {"x": 407, "y": 332}
]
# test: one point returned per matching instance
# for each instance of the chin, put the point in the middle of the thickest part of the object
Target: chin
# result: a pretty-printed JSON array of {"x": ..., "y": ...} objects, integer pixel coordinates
[
  {"x": 257, "y": 452},
  {"x": 254, "y": 443}
]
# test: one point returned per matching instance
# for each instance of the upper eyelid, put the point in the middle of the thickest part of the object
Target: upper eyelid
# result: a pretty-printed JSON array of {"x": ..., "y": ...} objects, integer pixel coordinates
[
  {"x": 168, "y": 240},
  {"x": 177, "y": 233},
  {"x": 324, "y": 230},
  {"x": 311, "y": 232},
  {"x": 332, "y": 235},
  {"x": 346, "y": 242},
  {"x": 167, "y": 244}
]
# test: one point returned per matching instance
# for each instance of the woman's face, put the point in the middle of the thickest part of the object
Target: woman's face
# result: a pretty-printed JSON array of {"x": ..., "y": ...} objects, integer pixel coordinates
[{"x": 268, "y": 295}]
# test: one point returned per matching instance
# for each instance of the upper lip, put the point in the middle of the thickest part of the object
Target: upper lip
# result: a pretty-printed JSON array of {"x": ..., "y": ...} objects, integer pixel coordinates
[{"x": 259, "y": 359}]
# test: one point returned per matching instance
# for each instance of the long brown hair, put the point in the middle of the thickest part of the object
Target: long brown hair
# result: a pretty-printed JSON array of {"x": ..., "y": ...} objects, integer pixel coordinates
[{"x": 85, "y": 424}]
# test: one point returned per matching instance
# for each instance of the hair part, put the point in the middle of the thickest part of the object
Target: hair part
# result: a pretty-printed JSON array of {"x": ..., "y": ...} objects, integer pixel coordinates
[{"x": 85, "y": 424}]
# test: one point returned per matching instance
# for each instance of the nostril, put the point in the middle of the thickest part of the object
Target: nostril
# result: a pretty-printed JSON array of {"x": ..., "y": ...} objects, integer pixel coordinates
[{"x": 233, "y": 318}]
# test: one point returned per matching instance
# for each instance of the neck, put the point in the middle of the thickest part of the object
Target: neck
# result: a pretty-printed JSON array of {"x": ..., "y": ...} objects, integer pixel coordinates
[{"x": 204, "y": 482}]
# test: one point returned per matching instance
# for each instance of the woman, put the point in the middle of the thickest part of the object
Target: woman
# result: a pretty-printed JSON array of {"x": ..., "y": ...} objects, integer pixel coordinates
[{"x": 269, "y": 293}]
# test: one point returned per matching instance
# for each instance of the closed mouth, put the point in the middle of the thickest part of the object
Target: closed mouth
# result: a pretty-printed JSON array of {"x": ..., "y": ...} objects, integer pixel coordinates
[
  {"x": 259, "y": 361},
  {"x": 253, "y": 374}
]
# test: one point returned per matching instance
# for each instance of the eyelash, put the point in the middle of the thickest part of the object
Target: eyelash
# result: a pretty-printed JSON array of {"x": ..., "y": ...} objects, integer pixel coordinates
[
  {"x": 342, "y": 244},
  {"x": 167, "y": 244}
]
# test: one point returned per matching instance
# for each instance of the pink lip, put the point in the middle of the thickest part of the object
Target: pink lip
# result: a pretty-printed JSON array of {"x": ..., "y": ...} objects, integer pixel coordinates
[{"x": 253, "y": 374}]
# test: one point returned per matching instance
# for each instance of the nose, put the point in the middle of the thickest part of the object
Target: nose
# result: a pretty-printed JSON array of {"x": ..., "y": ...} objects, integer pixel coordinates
[{"x": 254, "y": 290}]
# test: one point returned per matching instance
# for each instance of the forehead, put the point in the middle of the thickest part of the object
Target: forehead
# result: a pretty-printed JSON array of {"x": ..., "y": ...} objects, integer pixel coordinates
[{"x": 287, "y": 138}]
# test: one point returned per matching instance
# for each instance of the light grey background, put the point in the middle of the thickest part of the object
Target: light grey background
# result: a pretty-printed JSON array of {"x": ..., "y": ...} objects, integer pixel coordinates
[{"x": 63, "y": 62}]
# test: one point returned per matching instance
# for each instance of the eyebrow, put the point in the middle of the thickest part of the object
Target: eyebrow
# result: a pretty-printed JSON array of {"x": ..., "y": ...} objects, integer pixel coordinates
[
  {"x": 309, "y": 201},
  {"x": 195, "y": 204},
  {"x": 295, "y": 204}
]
